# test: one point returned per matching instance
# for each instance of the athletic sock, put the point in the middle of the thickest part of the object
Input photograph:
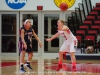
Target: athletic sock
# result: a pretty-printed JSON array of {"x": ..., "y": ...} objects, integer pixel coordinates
[
  {"x": 60, "y": 62},
  {"x": 74, "y": 63},
  {"x": 21, "y": 63}
]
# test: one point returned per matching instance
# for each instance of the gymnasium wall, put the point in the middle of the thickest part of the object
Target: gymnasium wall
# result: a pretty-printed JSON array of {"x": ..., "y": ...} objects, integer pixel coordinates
[{"x": 32, "y": 5}]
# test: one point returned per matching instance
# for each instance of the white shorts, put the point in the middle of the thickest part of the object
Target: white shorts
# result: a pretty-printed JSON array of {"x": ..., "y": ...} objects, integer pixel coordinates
[{"x": 69, "y": 47}]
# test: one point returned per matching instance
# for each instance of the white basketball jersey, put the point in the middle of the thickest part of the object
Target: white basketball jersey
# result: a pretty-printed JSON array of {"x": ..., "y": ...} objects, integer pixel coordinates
[{"x": 67, "y": 35}]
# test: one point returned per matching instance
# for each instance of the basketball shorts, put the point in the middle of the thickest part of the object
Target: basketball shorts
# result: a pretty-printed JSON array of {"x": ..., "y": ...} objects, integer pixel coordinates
[
  {"x": 69, "y": 47},
  {"x": 21, "y": 47}
]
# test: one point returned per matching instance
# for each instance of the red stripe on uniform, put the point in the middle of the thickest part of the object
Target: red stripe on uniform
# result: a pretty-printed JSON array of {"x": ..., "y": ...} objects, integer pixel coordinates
[
  {"x": 75, "y": 42},
  {"x": 68, "y": 31}
]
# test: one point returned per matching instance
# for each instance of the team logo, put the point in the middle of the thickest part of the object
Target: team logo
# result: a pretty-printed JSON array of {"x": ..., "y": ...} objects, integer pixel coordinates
[
  {"x": 69, "y": 2},
  {"x": 16, "y": 4}
]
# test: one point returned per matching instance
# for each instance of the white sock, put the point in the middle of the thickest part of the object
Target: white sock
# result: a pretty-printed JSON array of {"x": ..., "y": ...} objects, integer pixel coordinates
[
  {"x": 28, "y": 61},
  {"x": 21, "y": 63}
]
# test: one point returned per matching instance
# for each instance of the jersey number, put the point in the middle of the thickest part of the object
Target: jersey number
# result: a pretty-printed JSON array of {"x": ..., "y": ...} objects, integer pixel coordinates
[{"x": 64, "y": 36}]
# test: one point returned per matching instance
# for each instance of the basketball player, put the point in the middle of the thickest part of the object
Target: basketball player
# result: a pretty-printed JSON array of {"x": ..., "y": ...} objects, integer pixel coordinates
[
  {"x": 69, "y": 44},
  {"x": 25, "y": 44}
]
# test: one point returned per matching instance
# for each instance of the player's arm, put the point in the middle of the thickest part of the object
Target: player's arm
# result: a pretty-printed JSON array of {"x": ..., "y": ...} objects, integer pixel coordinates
[
  {"x": 22, "y": 36},
  {"x": 53, "y": 37},
  {"x": 36, "y": 37}
]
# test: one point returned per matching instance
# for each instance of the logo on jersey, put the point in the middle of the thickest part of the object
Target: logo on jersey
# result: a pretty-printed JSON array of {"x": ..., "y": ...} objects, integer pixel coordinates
[{"x": 16, "y": 4}]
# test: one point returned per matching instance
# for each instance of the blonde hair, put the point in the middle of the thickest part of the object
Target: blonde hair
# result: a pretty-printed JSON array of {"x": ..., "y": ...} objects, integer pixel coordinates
[{"x": 62, "y": 21}]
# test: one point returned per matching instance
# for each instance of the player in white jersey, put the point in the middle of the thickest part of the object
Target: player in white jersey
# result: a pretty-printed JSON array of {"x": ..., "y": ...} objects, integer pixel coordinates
[{"x": 69, "y": 45}]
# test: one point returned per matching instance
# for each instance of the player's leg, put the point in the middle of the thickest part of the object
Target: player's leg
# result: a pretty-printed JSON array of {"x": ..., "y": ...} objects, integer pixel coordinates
[
  {"x": 63, "y": 49},
  {"x": 73, "y": 60},
  {"x": 60, "y": 61},
  {"x": 73, "y": 47},
  {"x": 60, "y": 57},
  {"x": 30, "y": 55},
  {"x": 22, "y": 55}
]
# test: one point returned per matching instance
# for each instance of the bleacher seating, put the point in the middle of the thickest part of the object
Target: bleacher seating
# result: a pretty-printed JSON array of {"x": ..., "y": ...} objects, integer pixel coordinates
[{"x": 90, "y": 28}]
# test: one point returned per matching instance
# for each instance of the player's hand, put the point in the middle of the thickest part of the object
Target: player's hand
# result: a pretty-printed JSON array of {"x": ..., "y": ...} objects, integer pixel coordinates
[
  {"x": 40, "y": 44},
  {"x": 25, "y": 46},
  {"x": 48, "y": 40}
]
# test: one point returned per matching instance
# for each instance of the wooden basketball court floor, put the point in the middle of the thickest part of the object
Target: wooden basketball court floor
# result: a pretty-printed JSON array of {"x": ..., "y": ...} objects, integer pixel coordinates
[{"x": 47, "y": 66}]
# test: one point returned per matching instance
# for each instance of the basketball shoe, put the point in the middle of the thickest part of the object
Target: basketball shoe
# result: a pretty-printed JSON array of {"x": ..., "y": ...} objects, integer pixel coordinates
[
  {"x": 59, "y": 67},
  {"x": 74, "y": 68},
  {"x": 28, "y": 66},
  {"x": 22, "y": 69}
]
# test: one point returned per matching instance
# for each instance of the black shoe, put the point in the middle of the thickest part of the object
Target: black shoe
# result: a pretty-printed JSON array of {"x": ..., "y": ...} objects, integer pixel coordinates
[
  {"x": 22, "y": 70},
  {"x": 28, "y": 66}
]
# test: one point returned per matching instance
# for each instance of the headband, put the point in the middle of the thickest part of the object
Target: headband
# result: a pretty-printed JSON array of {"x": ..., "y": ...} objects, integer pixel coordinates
[{"x": 26, "y": 21}]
